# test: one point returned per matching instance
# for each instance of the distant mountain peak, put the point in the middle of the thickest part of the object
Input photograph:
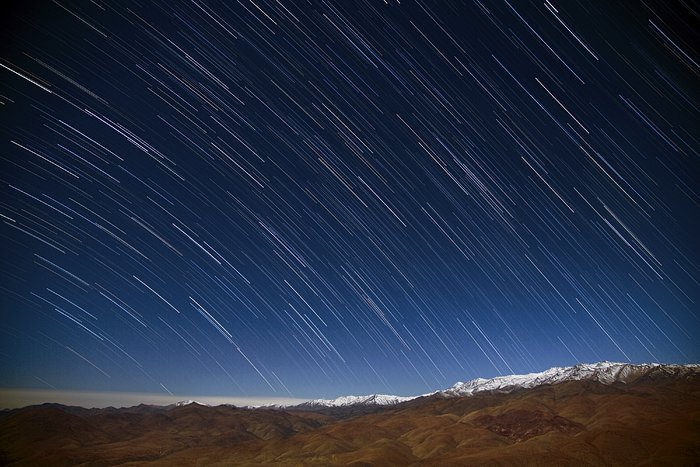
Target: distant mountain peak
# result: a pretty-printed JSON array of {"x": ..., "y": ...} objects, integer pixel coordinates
[
  {"x": 190, "y": 402},
  {"x": 351, "y": 401}
]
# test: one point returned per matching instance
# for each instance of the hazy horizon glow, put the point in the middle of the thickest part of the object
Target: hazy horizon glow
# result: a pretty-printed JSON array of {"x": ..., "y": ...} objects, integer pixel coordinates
[{"x": 12, "y": 398}]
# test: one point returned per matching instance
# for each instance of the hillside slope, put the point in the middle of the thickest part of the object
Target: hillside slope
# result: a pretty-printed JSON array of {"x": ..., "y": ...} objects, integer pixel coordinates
[{"x": 653, "y": 419}]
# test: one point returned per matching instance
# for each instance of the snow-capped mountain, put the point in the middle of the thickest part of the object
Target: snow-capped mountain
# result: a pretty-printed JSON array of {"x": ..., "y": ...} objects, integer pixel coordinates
[
  {"x": 351, "y": 401},
  {"x": 602, "y": 372},
  {"x": 189, "y": 402}
]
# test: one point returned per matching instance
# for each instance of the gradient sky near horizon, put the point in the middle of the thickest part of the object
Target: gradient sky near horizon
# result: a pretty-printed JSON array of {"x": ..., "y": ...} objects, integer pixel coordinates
[{"x": 314, "y": 198}]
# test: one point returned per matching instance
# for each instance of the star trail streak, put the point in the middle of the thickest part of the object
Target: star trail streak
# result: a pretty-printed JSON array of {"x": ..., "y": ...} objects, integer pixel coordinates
[{"x": 309, "y": 199}]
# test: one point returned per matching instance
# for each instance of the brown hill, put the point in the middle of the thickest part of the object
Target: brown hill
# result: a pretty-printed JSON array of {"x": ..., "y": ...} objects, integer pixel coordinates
[{"x": 649, "y": 422}]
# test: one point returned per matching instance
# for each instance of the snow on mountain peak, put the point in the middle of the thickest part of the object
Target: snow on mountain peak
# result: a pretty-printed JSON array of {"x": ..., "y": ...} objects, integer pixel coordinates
[
  {"x": 602, "y": 372},
  {"x": 190, "y": 402},
  {"x": 346, "y": 401}
]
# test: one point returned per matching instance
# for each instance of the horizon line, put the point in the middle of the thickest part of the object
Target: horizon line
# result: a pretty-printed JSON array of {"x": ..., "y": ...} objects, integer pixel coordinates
[{"x": 15, "y": 398}]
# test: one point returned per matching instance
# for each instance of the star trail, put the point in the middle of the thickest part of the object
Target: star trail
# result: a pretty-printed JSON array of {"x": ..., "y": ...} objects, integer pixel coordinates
[{"x": 315, "y": 198}]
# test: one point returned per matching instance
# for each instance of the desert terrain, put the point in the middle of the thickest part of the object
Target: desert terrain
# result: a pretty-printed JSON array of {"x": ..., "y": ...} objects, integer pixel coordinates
[{"x": 649, "y": 422}]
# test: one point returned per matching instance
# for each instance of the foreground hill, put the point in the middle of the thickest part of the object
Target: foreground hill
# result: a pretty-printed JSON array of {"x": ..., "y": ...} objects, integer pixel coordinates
[{"x": 649, "y": 417}]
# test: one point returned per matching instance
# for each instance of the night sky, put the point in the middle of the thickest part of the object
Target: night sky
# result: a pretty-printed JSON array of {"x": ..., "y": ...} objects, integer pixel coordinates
[{"x": 311, "y": 199}]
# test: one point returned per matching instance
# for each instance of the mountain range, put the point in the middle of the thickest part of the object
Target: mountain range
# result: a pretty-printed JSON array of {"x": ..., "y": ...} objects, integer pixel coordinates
[
  {"x": 589, "y": 414},
  {"x": 602, "y": 372}
]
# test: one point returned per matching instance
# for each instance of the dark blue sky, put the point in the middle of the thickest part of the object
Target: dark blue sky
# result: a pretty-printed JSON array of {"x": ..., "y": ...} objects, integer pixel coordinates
[{"x": 322, "y": 198}]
